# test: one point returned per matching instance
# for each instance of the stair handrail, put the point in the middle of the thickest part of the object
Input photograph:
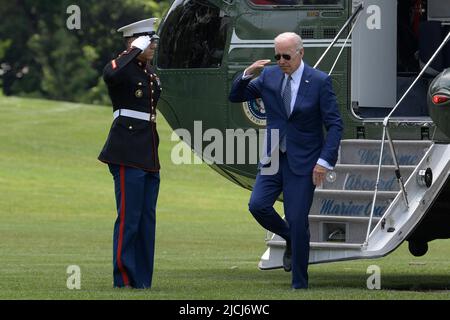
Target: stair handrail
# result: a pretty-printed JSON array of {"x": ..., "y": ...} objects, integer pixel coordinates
[
  {"x": 438, "y": 50},
  {"x": 344, "y": 44},
  {"x": 336, "y": 38},
  {"x": 391, "y": 144}
]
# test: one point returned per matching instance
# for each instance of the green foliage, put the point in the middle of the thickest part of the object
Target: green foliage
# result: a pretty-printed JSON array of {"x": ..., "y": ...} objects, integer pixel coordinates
[
  {"x": 4, "y": 45},
  {"x": 97, "y": 94},
  {"x": 66, "y": 68},
  {"x": 41, "y": 57}
]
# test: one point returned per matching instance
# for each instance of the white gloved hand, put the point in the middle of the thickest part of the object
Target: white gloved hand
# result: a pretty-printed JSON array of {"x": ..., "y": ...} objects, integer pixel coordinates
[{"x": 142, "y": 42}]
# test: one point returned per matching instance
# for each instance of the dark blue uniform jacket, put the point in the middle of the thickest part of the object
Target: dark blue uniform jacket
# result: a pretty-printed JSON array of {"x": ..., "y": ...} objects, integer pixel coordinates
[{"x": 132, "y": 85}]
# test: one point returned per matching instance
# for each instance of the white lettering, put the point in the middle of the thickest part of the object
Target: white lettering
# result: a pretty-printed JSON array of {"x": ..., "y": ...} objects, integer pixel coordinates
[
  {"x": 181, "y": 153},
  {"x": 374, "y": 19},
  {"x": 74, "y": 20},
  {"x": 241, "y": 147},
  {"x": 191, "y": 310},
  {"x": 374, "y": 281},
  {"x": 213, "y": 152},
  {"x": 74, "y": 280}
]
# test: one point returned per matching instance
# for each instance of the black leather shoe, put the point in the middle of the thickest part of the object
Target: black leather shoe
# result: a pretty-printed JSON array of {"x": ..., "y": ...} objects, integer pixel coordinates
[{"x": 287, "y": 257}]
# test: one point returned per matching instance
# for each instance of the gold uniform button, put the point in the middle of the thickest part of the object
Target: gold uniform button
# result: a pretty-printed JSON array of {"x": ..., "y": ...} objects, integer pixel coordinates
[
  {"x": 140, "y": 84},
  {"x": 139, "y": 93},
  {"x": 130, "y": 127}
]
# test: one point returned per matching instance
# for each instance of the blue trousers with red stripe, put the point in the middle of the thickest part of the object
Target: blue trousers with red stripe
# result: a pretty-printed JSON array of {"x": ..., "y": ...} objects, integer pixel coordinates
[{"x": 134, "y": 230}]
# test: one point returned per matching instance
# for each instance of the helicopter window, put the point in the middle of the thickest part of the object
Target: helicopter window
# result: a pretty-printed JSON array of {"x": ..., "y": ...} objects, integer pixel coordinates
[
  {"x": 193, "y": 36},
  {"x": 330, "y": 33},
  {"x": 307, "y": 33},
  {"x": 296, "y": 2}
]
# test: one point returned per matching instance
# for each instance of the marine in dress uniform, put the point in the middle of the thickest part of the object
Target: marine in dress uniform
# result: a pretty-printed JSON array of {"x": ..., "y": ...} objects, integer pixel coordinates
[{"x": 131, "y": 152}]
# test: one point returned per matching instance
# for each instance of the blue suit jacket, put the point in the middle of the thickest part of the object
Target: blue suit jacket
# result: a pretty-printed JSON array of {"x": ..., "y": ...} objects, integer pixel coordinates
[{"x": 315, "y": 108}]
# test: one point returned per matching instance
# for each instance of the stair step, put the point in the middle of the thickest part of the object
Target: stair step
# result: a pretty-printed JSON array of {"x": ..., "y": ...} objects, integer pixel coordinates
[
  {"x": 367, "y": 152},
  {"x": 355, "y": 193},
  {"x": 363, "y": 177},
  {"x": 319, "y": 245},
  {"x": 354, "y": 203},
  {"x": 342, "y": 229},
  {"x": 335, "y": 245},
  {"x": 342, "y": 218}
]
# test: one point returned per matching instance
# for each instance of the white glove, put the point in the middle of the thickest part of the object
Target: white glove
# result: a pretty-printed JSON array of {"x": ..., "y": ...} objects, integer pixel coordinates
[{"x": 142, "y": 42}]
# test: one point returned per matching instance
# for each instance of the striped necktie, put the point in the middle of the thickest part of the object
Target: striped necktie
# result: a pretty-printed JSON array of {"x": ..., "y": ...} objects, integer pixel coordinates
[
  {"x": 287, "y": 96},
  {"x": 287, "y": 106}
]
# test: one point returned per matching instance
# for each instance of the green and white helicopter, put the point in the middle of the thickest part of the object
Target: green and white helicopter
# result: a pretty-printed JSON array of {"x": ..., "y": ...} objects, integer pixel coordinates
[{"x": 388, "y": 60}]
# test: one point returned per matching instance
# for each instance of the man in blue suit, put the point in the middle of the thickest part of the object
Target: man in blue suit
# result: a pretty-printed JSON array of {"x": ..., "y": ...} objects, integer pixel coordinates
[{"x": 299, "y": 102}]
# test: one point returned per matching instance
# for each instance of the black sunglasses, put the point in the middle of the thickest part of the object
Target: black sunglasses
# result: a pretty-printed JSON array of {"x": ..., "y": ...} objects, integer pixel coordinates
[{"x": 285, "y": 57}]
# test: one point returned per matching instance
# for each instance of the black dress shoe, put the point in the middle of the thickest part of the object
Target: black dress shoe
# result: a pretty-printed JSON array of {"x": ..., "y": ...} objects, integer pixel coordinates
[{"x": 287, "y": 257}]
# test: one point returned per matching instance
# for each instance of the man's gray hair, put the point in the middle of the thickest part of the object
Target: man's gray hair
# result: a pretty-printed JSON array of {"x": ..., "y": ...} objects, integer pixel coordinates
[{"x": 290, "y": 36}]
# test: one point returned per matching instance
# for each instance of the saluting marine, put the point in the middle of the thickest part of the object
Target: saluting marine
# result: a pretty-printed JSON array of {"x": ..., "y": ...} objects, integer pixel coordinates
[{"x": 131, "y": 151}]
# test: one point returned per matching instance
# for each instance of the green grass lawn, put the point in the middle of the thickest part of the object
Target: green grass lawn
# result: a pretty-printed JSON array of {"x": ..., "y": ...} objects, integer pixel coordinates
[{"x": 57, "y": 209}]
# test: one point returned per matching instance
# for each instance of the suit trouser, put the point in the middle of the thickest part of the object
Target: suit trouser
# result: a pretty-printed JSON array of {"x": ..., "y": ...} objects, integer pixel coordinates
[
  {"x": 134, "y": 230},
  {"x": 298, "y": 192}
]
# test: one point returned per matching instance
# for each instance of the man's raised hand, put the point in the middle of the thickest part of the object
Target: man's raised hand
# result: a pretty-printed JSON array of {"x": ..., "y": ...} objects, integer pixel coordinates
[{"x": 256, "y": 68}]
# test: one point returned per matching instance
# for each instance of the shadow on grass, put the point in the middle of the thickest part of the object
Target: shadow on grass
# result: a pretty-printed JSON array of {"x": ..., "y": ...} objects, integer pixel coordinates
[
  {"x": 246, "y": 279},
  {"x": 398, "y": 282}
]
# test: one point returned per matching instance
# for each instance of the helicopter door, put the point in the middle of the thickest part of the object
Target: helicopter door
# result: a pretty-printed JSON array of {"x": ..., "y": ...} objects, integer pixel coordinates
[{"x": 374, "y": 57}]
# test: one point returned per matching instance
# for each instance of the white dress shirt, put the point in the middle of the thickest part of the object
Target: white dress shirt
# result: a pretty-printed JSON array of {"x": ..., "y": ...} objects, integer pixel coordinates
[{"x": 295, "y": 83}]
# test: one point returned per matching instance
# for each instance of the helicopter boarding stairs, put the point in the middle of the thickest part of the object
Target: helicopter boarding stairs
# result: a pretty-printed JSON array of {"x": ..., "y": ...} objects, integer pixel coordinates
[
  {"x": 340, "y": 216},
  {"x": 364, "y": 209}
]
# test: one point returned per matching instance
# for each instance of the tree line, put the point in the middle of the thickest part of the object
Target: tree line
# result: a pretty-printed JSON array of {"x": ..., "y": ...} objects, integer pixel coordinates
[{"x": 43, "y": 54}]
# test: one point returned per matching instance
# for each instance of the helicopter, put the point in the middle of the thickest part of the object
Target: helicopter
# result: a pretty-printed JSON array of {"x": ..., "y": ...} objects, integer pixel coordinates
[{"x": 388, "y": 61}]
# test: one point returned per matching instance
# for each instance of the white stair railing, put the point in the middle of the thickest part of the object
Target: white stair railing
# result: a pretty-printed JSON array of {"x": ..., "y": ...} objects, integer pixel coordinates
[
  {"x": 391, "y": 144},
  {"x": 355, "y": 15}
]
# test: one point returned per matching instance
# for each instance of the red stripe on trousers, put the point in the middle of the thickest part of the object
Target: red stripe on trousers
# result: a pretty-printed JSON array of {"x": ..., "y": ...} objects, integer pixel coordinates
[{"x": 121, "y": 227}]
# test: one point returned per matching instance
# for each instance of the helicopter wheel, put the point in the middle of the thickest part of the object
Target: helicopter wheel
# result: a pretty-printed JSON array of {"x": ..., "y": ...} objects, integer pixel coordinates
[{"x": 417, "y": 248}]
